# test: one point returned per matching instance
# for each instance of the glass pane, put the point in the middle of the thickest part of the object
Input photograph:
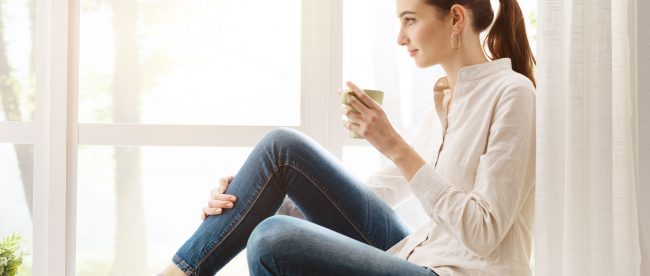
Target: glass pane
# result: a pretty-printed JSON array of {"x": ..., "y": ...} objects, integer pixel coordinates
[
  {"x": 137, "y": 205},
  {"x": 362, "y": 161},
  {"x": 17, "y": 31},
  {"x": 190, "y": 62},
  {"x": 16, "y": 163}
]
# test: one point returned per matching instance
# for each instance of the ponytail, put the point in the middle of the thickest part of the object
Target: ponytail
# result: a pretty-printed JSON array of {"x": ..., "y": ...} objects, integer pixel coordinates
[{"x": 507, "y": 39}]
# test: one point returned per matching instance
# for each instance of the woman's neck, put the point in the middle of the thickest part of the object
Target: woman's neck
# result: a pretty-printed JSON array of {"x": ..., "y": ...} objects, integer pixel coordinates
[{"x": 468, "y": 54}]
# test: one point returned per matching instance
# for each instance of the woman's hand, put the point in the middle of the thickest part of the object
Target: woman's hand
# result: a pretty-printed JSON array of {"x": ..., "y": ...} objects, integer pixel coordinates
[
  {"x": 370, "y": 122},
  {"x": 218, "y": 200}
]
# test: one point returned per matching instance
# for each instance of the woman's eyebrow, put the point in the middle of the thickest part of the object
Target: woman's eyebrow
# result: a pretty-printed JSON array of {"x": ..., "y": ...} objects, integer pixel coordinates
[{"x": 402, "y": 14}]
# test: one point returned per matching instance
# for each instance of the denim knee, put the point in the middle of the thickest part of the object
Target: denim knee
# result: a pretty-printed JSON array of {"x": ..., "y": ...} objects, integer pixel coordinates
[
  {"x": 269, "y": 234},
  {"x": 282, "y": 137},
  {"x": 274, "y": 234}
]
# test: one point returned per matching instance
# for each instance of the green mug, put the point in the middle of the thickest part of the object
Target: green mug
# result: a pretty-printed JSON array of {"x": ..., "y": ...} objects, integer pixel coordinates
[{"x": 376, "y": 95}]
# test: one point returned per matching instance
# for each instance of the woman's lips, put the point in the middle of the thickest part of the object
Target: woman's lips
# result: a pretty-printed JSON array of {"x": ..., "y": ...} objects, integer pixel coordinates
[{"x": 412, "y": 53}]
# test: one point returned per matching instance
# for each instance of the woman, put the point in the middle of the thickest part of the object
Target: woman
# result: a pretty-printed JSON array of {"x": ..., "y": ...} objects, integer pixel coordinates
[{"x": 478, "y": 188}]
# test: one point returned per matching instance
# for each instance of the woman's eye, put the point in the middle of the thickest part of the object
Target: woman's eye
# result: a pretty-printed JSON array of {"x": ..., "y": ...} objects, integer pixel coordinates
[{"x": 409, "y": 21}]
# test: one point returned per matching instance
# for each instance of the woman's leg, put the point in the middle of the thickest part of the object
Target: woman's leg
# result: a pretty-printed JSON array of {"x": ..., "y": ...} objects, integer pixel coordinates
[
  {"x": 283, "y": 245},
  {"x": 287, "y": 162}
]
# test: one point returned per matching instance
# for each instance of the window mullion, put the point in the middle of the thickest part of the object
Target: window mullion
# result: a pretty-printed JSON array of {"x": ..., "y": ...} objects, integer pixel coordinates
[
  {"x": 321, "y": 71},
  {"x": 53, "y": 143}
]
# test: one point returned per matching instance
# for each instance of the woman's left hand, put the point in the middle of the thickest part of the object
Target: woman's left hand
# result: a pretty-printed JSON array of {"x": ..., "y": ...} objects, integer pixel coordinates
[{"x": 370, "y": 122}]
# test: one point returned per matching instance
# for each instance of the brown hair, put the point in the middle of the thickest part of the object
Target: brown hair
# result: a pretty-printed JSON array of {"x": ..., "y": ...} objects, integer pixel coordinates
[{"x": 507, "y": 37}]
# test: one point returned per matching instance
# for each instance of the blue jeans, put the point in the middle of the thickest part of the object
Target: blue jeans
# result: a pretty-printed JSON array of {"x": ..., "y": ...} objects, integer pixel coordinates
[{"x": 348, "y": 230}]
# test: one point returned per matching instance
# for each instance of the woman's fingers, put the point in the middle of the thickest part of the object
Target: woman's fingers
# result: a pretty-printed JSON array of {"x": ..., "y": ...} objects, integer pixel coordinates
[
  {"x": 207, "y": 211},
  {"x": 216, "y": 203},
  {"x": 217, "y": 194},
  {"x": 362, "y": 96},
  {"x": 218, "y": 200},
  {"x": 353, "y": 117},
  {"x": 353, "y": 127},
  {"x": 358, "y": 105},
  {"x": 224, "y": 197},
  {"x": 223, "y": 183}
]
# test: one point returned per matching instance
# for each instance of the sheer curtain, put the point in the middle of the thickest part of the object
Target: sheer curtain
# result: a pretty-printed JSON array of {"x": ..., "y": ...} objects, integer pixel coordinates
[{"x": 586, "y": 217}]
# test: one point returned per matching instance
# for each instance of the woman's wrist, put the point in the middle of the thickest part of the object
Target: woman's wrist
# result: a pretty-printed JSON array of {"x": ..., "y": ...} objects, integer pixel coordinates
[{"x": 406, "y": 159}]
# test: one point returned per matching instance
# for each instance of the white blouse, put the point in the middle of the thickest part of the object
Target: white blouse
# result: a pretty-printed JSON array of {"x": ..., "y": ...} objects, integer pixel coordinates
[{"x": 478, "y": 187}]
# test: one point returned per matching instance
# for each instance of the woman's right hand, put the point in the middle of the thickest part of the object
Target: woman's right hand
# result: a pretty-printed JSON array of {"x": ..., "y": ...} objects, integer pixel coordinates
[{"x": 218, "y": 200}]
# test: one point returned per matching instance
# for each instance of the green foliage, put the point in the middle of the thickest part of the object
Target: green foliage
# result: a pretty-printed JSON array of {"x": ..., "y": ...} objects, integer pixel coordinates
[
  {"x": 10, "y": 258},
  {"x": 533, "y": 22}
]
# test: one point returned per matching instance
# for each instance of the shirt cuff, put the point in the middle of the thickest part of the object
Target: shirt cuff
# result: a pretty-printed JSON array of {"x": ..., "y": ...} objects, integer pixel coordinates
[{"x": 427, "y": 185}]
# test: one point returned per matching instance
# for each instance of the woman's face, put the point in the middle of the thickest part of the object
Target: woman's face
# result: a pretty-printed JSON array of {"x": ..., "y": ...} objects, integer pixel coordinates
[{"x": 425, "y": 33}]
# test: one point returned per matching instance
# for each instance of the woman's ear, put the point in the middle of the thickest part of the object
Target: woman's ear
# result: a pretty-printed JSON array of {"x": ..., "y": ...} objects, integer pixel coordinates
[{"x": 459, "y": 17}]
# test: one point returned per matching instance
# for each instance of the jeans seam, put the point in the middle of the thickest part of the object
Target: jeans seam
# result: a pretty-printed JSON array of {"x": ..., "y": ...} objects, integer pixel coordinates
[
  {"x": 332, "y": 201},
  {"x": 184, "y": 265},
  {"x": 236, "y": 223}
]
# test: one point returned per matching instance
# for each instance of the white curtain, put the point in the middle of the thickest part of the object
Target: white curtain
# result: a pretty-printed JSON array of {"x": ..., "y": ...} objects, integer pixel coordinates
[{"x": 586, "y": 214}]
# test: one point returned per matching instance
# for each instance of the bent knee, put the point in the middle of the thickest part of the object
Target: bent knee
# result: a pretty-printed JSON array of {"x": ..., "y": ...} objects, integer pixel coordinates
[
  {"x": 273, "y": 233},
  {"x": 282, "y": 139},
  {"x": 283, "y": 134}
]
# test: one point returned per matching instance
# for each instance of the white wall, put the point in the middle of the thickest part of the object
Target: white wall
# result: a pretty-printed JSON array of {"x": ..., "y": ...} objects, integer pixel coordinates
[{"x": 643, "y": 109}]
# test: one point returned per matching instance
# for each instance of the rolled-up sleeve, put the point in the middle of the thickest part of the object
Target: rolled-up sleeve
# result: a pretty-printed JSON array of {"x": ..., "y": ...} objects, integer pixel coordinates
[{"x": 481, "y": 218}]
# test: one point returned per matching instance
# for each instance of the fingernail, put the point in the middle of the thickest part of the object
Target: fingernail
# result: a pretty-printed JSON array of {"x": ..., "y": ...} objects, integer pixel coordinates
[{"x": 229, "y": 204}]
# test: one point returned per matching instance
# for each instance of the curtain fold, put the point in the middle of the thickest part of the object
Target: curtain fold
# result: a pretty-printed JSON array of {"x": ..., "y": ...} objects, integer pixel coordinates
[{"x": 587, "y": 221}]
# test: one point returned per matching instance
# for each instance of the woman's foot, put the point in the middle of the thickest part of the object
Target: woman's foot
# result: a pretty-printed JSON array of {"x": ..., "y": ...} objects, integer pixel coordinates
[{"x": 172, "y": 270}]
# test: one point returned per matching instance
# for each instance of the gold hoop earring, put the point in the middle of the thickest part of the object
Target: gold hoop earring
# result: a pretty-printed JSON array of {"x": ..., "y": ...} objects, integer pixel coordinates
[{"x": 457, "y": 46}]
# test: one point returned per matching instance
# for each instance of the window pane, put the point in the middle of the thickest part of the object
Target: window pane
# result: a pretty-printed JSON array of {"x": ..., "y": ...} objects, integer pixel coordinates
[
  {"x": 137, "y": 205},
  {"x": 190, "y": 62},
  {"x": 362, "y": 161},
  {"x": 16, "y": 60},
  {"x": 16, "y": 197}
]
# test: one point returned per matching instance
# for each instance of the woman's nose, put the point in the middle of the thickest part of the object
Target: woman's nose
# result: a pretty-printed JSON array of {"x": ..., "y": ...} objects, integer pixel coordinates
[{"x": 402, "y": 39}]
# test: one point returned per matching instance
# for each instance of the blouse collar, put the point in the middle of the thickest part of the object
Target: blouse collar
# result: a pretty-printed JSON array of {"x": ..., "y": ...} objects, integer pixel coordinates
[
  {"x": 482, "y": 70},
  {"x": 475, "y": 71}
]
